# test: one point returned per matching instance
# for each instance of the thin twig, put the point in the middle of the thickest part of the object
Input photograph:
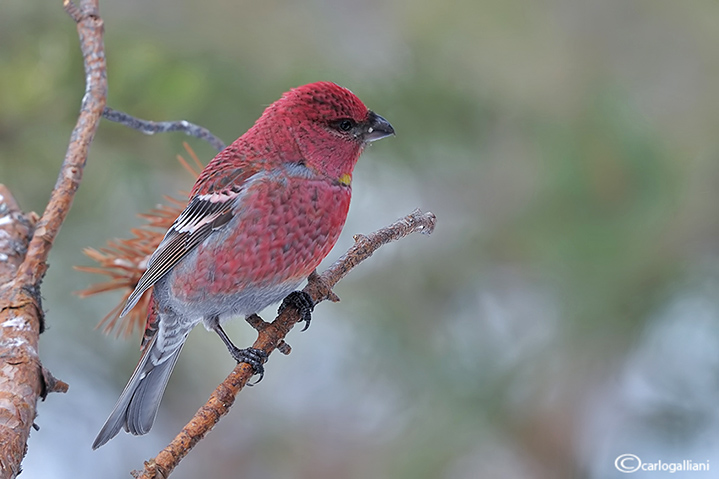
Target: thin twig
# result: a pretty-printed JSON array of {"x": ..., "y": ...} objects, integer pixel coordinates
[
  {"x": 22, "y": 377},
  {"x": 90, "y": 29},
  {"x": 151, "y": 127},
  {"x": 271, "y": 336}
]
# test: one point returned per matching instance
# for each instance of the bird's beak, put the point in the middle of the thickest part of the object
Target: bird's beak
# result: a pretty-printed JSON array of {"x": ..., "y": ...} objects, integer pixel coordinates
[{"x": 377, "y": 128}]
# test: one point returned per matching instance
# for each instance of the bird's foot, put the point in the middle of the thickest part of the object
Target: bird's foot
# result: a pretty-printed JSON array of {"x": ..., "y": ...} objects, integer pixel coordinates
[
  {"x": 303, "y": 303},
  {"x": 252, "y": 356}
]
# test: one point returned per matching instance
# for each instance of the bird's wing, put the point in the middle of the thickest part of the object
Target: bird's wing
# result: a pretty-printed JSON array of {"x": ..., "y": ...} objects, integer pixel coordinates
[{"x": 203, "y": 215}]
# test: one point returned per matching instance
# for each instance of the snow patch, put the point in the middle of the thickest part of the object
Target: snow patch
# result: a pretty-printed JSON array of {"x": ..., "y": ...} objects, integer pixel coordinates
[
  {"x": 18, "y": 343},
  {"x": 18, "y": 322}
]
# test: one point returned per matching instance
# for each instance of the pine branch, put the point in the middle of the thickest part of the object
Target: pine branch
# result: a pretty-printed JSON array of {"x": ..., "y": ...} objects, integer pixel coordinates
[{"x": 271, "y": 336}]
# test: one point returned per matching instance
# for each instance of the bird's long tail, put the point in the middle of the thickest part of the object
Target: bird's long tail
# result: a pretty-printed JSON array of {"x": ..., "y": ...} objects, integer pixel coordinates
[{"x": 138, "y": 404}]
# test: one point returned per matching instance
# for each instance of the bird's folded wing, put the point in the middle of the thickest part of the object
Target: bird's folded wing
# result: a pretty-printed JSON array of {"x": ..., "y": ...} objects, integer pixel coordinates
[{"x": 204, "y": 214}]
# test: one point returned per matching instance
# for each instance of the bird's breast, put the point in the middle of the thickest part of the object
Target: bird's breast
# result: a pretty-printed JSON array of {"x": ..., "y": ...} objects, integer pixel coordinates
[{"x": 280, "y": 233}]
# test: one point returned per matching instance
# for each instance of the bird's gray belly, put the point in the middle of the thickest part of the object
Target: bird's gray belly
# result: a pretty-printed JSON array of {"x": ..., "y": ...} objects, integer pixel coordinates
[{"x": 247, "y": 300}]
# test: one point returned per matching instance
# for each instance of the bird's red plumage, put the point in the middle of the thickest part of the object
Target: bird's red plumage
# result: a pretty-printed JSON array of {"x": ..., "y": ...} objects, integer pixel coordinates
[{"x": 285, "y": 233}]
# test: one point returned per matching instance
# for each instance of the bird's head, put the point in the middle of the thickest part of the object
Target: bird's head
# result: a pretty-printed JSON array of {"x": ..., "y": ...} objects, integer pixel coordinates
[{"x": 330, "y": 126}]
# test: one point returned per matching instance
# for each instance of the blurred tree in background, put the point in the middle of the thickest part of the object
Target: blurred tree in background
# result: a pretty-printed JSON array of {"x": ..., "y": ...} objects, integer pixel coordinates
[{"x": 565, "y": 311}]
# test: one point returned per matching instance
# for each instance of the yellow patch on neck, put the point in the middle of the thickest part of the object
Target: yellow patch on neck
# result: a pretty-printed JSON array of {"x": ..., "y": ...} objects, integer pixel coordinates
[{"x": 345, "y": 179}]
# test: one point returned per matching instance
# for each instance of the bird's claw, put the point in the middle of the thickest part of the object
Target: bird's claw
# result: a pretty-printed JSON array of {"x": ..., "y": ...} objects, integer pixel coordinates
[
  {"x": 303, "y": 303},
  {"x": 254, "y": 357}
]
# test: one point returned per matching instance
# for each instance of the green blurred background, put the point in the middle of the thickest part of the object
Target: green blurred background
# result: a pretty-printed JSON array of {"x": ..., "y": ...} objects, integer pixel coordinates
[{"x": 565, "y": 311}]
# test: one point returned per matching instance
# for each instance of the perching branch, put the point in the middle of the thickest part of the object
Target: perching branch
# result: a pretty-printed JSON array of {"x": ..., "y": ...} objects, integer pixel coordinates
[
  {"x": 25, "y": 243},
  {"x": 271, "y": 336},
  {"x": 151, "y": 127}
]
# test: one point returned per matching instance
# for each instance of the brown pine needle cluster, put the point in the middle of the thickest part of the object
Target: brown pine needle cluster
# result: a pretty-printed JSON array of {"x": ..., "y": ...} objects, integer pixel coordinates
[{"x": 125, "y": 260}]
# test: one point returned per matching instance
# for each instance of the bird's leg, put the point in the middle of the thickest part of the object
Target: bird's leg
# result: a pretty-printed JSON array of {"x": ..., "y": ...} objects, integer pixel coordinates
[
  {"x": 303, "y": 303},
  {"x": 252, "y": 356}
]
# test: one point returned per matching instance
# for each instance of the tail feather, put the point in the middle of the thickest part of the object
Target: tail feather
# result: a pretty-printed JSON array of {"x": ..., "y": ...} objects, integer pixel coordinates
[
  {"x": 139, "y": 402},
  {"x": 142, "y": 410}
]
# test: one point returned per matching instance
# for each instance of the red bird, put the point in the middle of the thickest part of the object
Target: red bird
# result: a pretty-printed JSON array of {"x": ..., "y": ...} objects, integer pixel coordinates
[{"x": 261, "y": 217}]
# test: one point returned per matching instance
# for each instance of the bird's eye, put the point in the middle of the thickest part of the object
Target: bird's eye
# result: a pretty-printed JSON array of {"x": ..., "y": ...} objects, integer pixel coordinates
[{"x": 345, "y": 125}]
